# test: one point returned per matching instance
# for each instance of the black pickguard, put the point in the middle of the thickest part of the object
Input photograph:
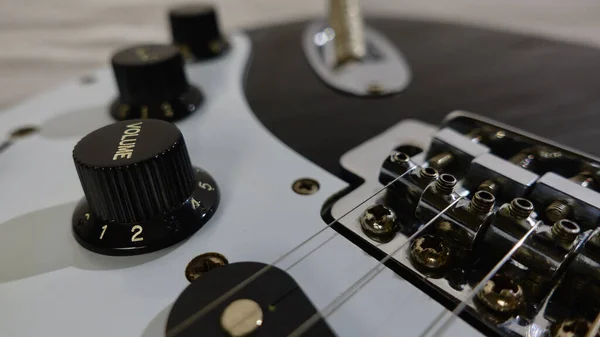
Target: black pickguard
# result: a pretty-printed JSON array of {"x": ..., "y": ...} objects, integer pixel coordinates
[{"x": 546, "y": 87}]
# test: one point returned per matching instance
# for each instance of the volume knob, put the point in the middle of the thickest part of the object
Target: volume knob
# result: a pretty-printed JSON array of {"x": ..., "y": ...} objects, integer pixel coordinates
[
  {"x": 141, "y": 191},
  {"x": 152, "y": 84}
]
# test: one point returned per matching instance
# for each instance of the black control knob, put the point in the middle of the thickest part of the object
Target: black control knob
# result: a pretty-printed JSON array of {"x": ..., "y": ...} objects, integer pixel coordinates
[
  {"x": 152, "y": 84},
  {"x": 141, "y": 191},
  {"x": 195, "y": 30}
]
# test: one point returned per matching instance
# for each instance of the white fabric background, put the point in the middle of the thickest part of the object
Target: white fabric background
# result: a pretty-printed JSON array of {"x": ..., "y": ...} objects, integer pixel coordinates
[{"x": 44, "y": 42}]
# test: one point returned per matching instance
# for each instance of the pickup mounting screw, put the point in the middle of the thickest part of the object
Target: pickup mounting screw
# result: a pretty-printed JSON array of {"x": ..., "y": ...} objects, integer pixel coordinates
[
  {"x": 379, "y": 223},
  {"x": 202, "y": 264},
  {"x": 501, "y": 294}
]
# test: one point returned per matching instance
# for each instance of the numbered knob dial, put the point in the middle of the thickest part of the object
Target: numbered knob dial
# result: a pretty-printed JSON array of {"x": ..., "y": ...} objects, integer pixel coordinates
[
  {"x": 195, "y": 30},
  {"x": 141, "y": 191},
  {"x": 152, "y": 84}
]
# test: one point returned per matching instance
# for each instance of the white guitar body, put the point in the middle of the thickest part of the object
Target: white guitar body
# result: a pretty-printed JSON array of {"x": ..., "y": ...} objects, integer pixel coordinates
[{"x": 51, "y": 286}]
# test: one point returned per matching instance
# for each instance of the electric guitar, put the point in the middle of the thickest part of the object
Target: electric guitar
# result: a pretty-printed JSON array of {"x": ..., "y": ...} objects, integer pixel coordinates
[{"x": 342, "y": 176}]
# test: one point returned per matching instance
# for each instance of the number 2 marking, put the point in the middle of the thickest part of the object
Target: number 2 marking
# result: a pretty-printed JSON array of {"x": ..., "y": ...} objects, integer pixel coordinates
[
  {"x": 103, "y": 231},
  {"x": 139, "y": 230}
]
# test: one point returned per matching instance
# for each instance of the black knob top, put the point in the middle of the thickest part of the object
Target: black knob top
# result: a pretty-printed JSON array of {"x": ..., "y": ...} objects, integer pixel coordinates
[
  {"x": 134, "y": 170},
  {"x": 152, "y": 84},
  {"x": 149, "y": 73},
  {"x": 195, "y": 29}
]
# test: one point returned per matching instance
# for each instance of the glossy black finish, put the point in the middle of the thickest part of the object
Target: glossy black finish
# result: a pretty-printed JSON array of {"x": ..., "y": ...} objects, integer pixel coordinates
[
  {"x": 152, "y": 84},
  {"x": 284, "y": 305},
  {"x": 170, "y": 110},
  {"x": 546, "y": 87},
  {"x": 141, "y": 191},
  {"x": 195, "y": 30},
  {"x": 134, "y": 170},
  {"x": 149, "y": 235}
]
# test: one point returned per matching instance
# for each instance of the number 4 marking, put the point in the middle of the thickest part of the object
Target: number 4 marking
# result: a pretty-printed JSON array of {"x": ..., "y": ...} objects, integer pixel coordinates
[{"x": 195, "y": 204}]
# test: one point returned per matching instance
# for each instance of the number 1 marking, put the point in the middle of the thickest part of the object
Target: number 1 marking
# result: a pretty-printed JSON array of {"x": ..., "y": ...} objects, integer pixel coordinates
[{"x": 103, "y": 231}]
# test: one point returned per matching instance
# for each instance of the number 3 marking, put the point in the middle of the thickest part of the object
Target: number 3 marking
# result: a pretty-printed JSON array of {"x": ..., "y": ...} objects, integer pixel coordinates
[{"x": 138, "y": 230}]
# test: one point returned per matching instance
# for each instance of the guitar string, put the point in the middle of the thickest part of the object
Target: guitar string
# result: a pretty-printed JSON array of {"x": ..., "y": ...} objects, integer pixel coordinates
[
  {"x": 593, "y": 332},
  {"x": 177, "y": 329},
  {"x": 364, "y": 280},
  {"x": 445, "y": 318}
]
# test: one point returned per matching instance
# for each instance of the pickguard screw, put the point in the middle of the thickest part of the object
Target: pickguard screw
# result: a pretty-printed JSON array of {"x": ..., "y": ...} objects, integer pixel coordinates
[
  {"x": 482, "y": 202},
  {"x": 445, "y": 184},
  {"x": 23, "y": 132},
  {"x": 399, "y": 157},
  {"x": 430, "y": 252},
  {"x": 558, "y": 210},
  {"x": 379, "y": 223},
  {"x": 202, "y": 264},
  {"x": 565, "y": 231},
  {"x": 501, "y": 294},
  {"x": 305, "y": 186},
  {"x": 520, "y": 208}
]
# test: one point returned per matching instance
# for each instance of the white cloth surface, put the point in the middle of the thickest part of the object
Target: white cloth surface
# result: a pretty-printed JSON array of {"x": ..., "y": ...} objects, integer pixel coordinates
[{"x": 44, "y": 42}]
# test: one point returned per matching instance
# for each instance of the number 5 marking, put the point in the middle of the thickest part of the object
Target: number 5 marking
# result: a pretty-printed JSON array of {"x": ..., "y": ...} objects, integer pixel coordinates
[
  {"x": 137, "y": 230},
  {"x": 205, "y": 186}
]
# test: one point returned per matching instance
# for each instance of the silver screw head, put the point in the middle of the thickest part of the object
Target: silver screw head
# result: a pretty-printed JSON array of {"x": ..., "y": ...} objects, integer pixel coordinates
[
  {"x": 430, "y": 252},
  {"x": 565, "y": 231},
  {"x": 520, "y": 208},
  {"x": 399, "y": 157},
  {"x": 379, "y": 222},
  {"x": 501, "y": 294}
]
